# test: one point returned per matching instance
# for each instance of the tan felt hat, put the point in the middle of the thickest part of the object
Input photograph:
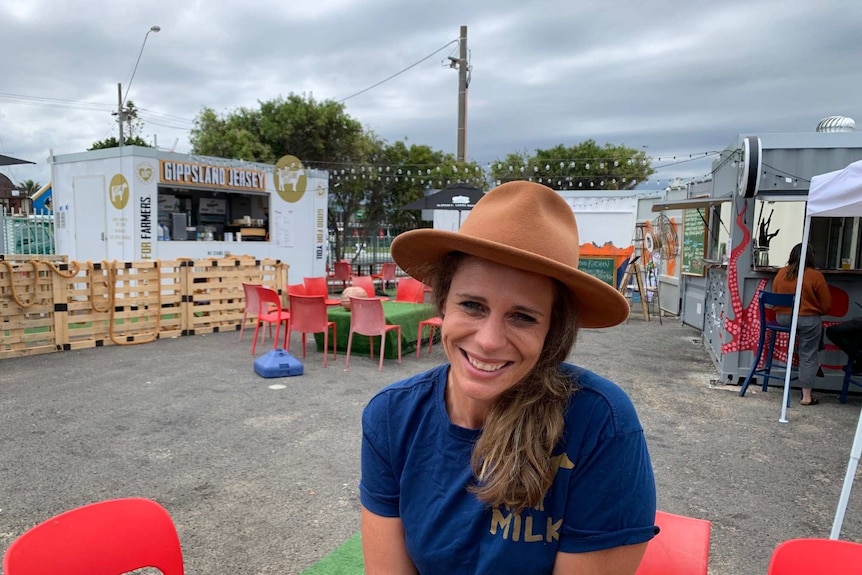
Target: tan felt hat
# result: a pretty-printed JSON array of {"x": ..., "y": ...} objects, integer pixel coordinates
[{"x": 527, "y": 226}]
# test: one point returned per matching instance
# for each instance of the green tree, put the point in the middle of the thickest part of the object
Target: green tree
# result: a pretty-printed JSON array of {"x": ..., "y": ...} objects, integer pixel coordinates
[
  {"x": 113, "y": 142},
  {"x": 585, "y": 166},
  {"x": 29, "y": 187},
  {"x": 318, "y": 133}
]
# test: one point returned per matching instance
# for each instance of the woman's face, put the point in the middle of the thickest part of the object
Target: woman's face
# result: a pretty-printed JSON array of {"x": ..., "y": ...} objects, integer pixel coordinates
[{"x": 494, "y": 327}]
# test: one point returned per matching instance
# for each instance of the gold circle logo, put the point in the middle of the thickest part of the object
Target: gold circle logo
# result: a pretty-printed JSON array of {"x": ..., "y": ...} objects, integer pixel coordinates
[
  {"x": 289, "y": 178},
  {"x": 118, "y": 191}
]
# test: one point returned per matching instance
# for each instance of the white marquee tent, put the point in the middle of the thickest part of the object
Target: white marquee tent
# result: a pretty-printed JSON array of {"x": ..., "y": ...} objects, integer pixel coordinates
[{"x": 834, "y": 194}]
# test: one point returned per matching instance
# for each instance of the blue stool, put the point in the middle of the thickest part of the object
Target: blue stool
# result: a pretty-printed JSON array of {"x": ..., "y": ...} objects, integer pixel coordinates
[
  {"x": 768, "y": 329},
  {"x": 848, "y": 379}
]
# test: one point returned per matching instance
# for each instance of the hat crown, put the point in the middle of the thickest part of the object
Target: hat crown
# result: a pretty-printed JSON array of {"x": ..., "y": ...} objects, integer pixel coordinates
[{"x": 507, "y": 215}]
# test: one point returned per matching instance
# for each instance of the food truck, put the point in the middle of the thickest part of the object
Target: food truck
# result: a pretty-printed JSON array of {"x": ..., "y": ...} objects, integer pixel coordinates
[
  {"x": 137, "y": 203},
  {"x": 738, "y": 230}
]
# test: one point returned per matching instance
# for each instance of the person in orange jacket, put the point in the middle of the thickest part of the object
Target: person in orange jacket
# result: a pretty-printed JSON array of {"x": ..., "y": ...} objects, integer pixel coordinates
[{"x": 815, "y": 302}]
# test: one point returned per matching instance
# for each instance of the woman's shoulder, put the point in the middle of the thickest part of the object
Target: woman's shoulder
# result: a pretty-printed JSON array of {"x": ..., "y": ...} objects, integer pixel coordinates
[
  {"x": 414, "y": 390},
  {"x": 597, "y": 397}
]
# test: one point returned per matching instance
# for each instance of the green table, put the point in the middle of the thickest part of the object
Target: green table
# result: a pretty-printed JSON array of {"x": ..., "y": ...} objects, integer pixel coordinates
[{"x": 407, "y": 315}]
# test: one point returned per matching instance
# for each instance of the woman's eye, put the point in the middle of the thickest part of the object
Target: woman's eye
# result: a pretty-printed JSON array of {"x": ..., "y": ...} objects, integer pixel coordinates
[
  {"x": 471, "y": 305},
  {"x": 525, "y": 318}
]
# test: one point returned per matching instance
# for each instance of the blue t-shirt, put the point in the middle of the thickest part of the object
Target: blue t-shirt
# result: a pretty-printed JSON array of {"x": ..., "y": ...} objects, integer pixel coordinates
[{"x": 416, "y": 466}]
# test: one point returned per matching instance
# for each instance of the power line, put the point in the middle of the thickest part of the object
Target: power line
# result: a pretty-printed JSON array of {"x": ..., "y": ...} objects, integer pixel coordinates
[{"x": 401, "y": 72}]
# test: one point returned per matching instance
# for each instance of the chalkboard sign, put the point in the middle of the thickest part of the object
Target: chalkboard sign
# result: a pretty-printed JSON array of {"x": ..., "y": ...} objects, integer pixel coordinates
[
  {"x": 602, "y": 268},
  {"x": 694, "y": 241}
]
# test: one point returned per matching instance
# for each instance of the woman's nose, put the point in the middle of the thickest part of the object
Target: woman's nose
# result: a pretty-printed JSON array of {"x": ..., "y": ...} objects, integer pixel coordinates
[{"x": 491, "y": 333}]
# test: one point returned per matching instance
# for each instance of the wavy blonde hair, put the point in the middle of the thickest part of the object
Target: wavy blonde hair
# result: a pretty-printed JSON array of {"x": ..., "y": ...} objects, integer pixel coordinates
[{"x": 512, "y": 458}]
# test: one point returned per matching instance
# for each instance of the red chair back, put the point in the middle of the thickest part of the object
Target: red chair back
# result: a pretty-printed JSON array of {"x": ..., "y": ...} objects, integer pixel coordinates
[
  {"x": 410, "y": 290},
  {"x": 365, "y": 282},
  {"x": 387, "y": 272},
  {"x": 342, "y": 270},
  {"x": 251, "y": 305},
  {"x": 296, "y": 289},
  {"x": 316, "y": 286},
  {"x": 681, "y": 548},
  {"x": 366, "y": 316},
  {"x": 840, "y": 302},
  {"x": 104, "y": 538},
  {"x": 308, "y": 313},
  {"x": 807, "y": 556}
]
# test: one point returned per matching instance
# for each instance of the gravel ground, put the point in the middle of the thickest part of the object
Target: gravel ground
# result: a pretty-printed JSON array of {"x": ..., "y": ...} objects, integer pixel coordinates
[{"x": 262, "y": 480}]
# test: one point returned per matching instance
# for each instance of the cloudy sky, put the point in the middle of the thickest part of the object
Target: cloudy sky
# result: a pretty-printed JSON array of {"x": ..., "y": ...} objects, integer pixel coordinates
[{"x": 678, "y": 78}]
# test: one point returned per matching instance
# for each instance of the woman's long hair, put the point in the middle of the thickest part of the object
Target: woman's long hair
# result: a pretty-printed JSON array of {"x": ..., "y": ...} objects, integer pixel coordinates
[
  {"x": 795, "y": 257},
  {"x": 512, "y": 458}
]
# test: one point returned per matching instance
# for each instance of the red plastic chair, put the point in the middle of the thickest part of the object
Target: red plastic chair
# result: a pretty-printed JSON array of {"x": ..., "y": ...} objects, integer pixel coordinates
[
  {"x": 104, "y": 538},
  {"x": 433, "y": 324},
  {"x": 367, "y": 318},
  {"x": 386, "y": 275},
  {"x": 318, "y": 286},
  {"x": 366, "y": 283},
  {"x": 271, "y": 313},
  {"x": 342, "y": 272},
  {"x": 296, "y": 289},
  {"x": 410, "y": 290},
  {"x": 840, "y": 307},
  {"x": 813, "y": 556},
  {"x": 251, "y": 305},
  {"x": 308, "y": 315},
  {"x": 681, "y": 548}
]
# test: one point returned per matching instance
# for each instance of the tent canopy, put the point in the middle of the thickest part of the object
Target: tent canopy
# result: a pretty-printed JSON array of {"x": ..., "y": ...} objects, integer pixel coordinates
[
  {"x": 833, "y": 194},
  {"x": 458, "y": 196},
  {"x": 10, "y": 161},
  {"x": 837, "y": 194}
]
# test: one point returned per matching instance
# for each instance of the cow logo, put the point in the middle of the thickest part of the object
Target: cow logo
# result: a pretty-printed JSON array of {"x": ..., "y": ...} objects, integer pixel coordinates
[
  {"x": 118, "y": 191},
  {"x": 289, "y": 178},
  {"x": 145, "y": 172}
]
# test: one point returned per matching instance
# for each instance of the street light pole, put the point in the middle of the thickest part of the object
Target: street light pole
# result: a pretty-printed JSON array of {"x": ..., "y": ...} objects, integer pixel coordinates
[{"x": 122, "y": 114}]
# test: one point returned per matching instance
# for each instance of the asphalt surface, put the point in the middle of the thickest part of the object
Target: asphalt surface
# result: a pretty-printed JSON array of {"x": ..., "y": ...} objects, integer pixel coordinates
[{"x": 262, "y": 480}]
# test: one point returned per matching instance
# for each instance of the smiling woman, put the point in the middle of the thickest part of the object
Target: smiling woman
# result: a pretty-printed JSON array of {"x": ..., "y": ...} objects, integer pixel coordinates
[{"x": 539, "y": 466}]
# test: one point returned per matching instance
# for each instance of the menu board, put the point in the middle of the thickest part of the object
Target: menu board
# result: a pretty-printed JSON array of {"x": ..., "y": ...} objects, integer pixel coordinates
[
  {"x": 602, "y": 268},
  {"x": 694, "y": 241}
]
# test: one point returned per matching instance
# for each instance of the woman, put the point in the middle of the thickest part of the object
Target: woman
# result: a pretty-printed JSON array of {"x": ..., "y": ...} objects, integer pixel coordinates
[
  {"x": 506, "y": 459},
  {"x": 814, "y": 302}
]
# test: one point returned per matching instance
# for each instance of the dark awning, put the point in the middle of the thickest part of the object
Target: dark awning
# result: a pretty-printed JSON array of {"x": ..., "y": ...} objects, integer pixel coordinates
[
  {"x": 455, "y": 197},
  {"x": 10, "y": 161}
]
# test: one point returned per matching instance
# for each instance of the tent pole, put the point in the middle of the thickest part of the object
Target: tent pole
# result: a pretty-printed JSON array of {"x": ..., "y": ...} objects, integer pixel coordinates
[
  {"x": 794, "y": 320},
  {"x": 855, "y": 453}
]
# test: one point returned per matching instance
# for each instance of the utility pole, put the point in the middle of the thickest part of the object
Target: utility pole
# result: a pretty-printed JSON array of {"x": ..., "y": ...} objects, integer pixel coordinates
[
  {"x": 121, "y": 117},
  {"x": 462, "y": 96}
]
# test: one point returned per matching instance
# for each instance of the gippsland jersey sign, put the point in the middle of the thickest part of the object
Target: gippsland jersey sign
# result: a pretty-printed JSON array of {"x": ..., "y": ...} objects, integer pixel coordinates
[{"x": 209, "y": 176}]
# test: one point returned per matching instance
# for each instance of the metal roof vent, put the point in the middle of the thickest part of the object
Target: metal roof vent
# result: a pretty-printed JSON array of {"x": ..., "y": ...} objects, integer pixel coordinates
[{"x": 836, "y": 124}]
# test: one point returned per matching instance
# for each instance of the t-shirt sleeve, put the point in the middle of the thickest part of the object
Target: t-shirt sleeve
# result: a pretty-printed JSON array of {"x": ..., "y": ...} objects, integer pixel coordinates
[
  {"x": 379, "y": 489},
  {"x": 612, "y": 498}
]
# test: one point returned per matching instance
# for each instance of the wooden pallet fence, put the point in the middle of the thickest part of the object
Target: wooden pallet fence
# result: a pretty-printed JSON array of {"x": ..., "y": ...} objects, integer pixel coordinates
[
  {"x": 173, "y": 273},
  {"x": 215, "y": 300},
  {"x": 47, "y": 307},
  {"x": 26, "y": 309}
]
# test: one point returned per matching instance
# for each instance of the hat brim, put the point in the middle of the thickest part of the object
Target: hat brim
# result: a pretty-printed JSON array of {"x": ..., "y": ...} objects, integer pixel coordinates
[{"x": 598, "y": 304}]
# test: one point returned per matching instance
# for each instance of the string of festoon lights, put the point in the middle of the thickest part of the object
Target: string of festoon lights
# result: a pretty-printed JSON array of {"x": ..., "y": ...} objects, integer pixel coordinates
[{"x": 584, "y": 173}]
